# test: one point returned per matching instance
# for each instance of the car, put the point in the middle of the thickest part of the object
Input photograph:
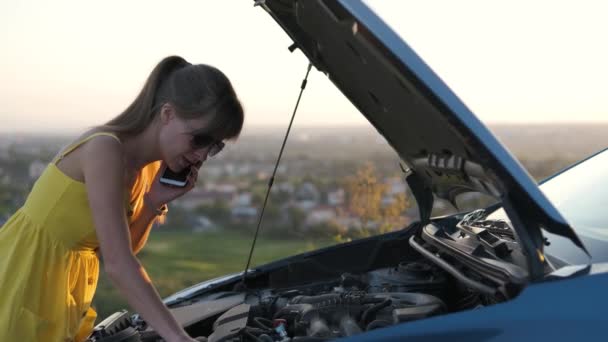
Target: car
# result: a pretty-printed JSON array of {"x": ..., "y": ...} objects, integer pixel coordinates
[{"x": 533, "y": 265}]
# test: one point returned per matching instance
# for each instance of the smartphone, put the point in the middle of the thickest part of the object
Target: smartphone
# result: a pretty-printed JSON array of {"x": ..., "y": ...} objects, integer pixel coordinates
[{"x": 179, "y": 179}]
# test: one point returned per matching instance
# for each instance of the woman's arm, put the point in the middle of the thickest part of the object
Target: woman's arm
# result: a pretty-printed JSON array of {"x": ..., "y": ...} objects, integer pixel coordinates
[
  {"x": 157, "y": 195},
  {"x": 104, "y": 173},
  {"x": 141, "y": 226}
]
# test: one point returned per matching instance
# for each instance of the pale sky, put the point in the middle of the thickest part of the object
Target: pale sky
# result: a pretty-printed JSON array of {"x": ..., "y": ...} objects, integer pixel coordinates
[{"x": 66, "y": 65}]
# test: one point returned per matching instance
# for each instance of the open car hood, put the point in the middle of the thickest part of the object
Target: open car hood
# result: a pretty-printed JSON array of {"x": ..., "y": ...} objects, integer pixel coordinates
[{"x": 446, "y": 150}]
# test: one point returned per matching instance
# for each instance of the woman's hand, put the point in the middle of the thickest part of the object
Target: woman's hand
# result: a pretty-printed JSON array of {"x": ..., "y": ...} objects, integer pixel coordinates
[{"x": 160, "y": 193}]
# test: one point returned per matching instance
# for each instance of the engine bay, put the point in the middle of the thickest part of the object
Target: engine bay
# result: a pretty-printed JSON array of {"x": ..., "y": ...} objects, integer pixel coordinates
[{"x": 347, "y": 304}]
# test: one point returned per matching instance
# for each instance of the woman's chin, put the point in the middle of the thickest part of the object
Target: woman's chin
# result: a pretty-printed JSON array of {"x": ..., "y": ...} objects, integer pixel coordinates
[
  {"x": 175, "y": 167},
  {"x": 179, "y": 168}
]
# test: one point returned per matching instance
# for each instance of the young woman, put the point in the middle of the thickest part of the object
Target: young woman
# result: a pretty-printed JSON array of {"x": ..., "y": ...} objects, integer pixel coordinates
[{"x": 102, "y": 194}]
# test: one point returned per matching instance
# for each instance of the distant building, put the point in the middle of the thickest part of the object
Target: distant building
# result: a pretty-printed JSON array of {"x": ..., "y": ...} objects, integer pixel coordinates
[
  {"x": 287, "y": 187},
  {"x": 212, "y": 171},
  {"x": 319, "y": 215},
  {"x": 282, "y": 169},
  {"x": 203, "y": 224},
  {"x": 262, "y": 175},
  {"x": 336, "y": 197},
  {"x": 244, "y": 214},
  {"x": 307, "y": 196},
  {"x": 387, "y": 200},
  {"x": 396, "y": 186},
  {"x": 201, "y": 197},
  {"x": 242, "y": 184},
  {"x": 230, "y": 169},
  {"x": 283, "y": 187},
  {"x": 242, "y": 200},
  {"x": 230, "y": 189}
]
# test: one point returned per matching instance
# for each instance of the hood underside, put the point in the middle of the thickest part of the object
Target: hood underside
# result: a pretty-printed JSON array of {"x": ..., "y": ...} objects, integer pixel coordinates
[{"x": 445, "y": 148}]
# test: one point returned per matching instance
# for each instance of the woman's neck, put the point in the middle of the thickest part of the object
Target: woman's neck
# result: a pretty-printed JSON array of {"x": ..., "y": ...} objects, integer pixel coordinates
[{"x": 141, "y": 149}]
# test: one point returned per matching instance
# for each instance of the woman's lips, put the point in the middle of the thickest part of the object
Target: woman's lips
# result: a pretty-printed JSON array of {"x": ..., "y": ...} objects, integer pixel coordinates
[{"x": 184, "y": 163}]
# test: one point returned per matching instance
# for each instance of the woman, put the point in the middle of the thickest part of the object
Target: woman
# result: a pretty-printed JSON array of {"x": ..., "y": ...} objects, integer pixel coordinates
[{"x": 102, "y": 194}]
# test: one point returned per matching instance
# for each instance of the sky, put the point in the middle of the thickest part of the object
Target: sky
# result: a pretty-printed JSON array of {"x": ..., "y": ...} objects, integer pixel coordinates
[{"x": 68, "y": 65}]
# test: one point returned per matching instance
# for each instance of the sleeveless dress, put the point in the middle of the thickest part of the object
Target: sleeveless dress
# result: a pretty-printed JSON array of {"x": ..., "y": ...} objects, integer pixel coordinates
[{"x": 48, "y": 257}]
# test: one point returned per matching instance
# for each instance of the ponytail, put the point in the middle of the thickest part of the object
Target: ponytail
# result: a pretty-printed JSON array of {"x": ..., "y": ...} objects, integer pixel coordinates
[{"x": 142, "y": 111}]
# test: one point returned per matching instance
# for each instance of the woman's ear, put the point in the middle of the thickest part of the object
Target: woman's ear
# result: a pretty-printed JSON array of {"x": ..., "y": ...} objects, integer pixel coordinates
[{"x": 166, "y": 113}]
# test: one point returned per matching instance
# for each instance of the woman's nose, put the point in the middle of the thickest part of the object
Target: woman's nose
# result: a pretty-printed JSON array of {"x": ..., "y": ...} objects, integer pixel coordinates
[{"x": 201, "y": 153}]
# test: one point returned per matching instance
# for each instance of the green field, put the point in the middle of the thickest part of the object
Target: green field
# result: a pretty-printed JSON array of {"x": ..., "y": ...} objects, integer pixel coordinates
[{"x": 177, "y": 259}]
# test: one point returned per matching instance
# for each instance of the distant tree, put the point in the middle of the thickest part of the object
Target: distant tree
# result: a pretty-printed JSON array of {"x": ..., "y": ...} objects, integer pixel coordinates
[
  {"x": 178, "y": 217},
  {"x": 365, "y": 194},
  {"x": 272, "y": 212},
  {"x": 219, "y": 210},
  {"x": 279, "y": 196},
  {"x": 258, "y": 193},
  {"x": 296, "y": 218},
  {"x": 393, "y": 212},
  {"x": 328, "y": 230}
]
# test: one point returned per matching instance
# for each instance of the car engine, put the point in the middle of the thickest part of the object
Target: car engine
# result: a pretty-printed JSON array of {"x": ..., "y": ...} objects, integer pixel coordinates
[{"x": 344, "y": 306}]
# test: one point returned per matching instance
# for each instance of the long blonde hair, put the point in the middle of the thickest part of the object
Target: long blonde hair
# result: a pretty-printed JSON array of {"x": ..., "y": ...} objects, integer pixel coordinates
[{"x": 195, "y": 90}]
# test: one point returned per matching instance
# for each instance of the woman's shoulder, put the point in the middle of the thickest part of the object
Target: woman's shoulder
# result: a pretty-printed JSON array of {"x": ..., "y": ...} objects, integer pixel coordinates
[
  {"x": 100, "y": 144},
  {"x": 98, "y": 134},
  {"x": 103, "y": 138},
  {"x": 102, "y": 158},
  {"x": 92, "y": 147}
]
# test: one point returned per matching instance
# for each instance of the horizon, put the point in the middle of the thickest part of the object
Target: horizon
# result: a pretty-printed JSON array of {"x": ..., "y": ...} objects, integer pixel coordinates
[{"x": 283, "y": 128}]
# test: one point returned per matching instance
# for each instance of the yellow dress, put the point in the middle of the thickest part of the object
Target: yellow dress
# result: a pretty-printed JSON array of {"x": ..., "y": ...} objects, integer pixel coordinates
[{"x": 48, "y": 257}]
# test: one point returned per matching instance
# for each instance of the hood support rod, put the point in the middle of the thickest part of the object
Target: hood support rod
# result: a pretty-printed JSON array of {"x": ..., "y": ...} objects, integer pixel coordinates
[{"x": 271, "y": 181}]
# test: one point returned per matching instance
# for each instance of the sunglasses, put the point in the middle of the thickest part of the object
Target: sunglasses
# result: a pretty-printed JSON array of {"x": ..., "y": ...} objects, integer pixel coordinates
[{"x": 202, "y": 140}]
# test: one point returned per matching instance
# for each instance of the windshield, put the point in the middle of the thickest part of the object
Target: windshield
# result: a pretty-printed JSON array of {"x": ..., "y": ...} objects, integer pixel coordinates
[{"x": 580, "y": 194}]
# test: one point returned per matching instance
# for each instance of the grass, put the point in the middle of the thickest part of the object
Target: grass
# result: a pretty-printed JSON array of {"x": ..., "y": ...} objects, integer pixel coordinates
[{"x": 178, "y": 259}]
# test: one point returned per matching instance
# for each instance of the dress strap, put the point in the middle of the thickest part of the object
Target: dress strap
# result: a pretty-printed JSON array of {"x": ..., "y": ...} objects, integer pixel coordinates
[{"x": 78, "y": 143}]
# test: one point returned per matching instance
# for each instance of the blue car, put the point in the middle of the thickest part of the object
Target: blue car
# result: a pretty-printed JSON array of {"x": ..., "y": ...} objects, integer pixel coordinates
[{"x": 533, "y": 266}]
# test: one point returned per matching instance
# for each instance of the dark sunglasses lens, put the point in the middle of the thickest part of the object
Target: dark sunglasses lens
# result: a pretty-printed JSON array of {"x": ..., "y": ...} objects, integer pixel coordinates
[
  {"x": 200, "y": 141},
  {"x": 216, "y": 148}
]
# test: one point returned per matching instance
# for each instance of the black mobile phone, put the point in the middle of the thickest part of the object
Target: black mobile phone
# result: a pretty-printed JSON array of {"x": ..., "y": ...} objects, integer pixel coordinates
[{"x": 175, "y": 178}]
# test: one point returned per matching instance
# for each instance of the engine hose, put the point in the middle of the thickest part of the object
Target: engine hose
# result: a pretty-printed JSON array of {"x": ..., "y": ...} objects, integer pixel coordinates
[
  {"x": 485, "y": 289},
  {"x": 372, "y": 310},
  {"x": 257, "y": 331},
  {"x": 263, "y": 323}
]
